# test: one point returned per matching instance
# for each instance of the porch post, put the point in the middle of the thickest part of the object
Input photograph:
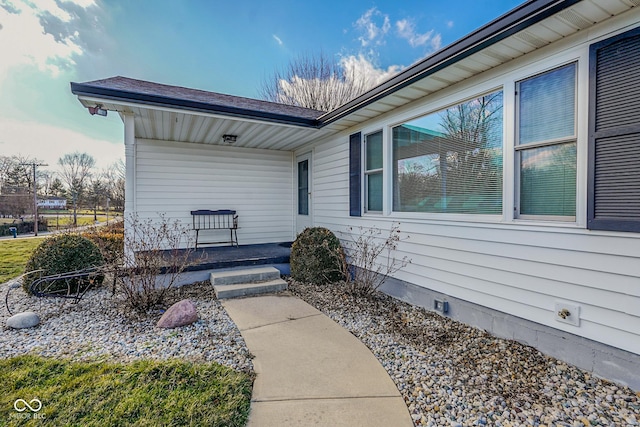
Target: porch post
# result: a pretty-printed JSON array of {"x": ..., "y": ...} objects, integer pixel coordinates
[
  {"x": 130, "y": 203},
  {"x": 130, "y": 164}
]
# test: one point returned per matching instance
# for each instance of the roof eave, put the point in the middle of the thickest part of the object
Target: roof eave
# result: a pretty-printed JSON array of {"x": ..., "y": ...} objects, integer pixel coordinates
[
  {"x": 495, "y": 31},
  {"x": 502, "y": 27},
  {"x": 81, "y": 89}
]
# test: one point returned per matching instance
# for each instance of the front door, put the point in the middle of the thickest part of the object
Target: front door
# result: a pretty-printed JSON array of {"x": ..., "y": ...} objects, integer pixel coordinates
[{"x": 303, "y": 205}]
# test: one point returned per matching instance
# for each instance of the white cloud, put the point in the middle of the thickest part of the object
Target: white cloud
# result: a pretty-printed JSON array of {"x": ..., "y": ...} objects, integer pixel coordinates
[
  {"x": 41, "y": 35},
  {"x": 49, "y": 143},
  {"x": 373, "y": 25},
  {"x": 277, "y": 39},
  {"x": 359, "y": 66},
  {"x": 358, "y": 75},
  {"x": 82, "y": 3},
  {"x": 436, "y": 42},
  {"x": 406, "y": 30},
  {"x": 51, "y": 7},
  {"x": 449, "y": 24},
  {"x": 24, "y": 41}
]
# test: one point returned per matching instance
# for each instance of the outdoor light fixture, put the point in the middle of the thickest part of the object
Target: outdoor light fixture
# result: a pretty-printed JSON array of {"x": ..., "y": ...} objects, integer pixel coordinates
[
  {"x": 229, "y": 139},
  {"x": 98, "y": 110}
]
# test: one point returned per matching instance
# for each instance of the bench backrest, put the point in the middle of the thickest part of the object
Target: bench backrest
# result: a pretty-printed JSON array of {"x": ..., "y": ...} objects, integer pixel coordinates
[{"x": 205, "y": 219}]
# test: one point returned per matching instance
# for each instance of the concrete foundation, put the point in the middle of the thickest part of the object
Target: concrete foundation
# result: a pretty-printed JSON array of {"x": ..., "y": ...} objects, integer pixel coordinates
[{"x": 600, "y": 359}]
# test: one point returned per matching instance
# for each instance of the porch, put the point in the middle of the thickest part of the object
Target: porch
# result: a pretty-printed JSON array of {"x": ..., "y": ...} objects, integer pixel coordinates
[
  {"x": 206, "y": 259},
  {"x": 189, "y": 150}
]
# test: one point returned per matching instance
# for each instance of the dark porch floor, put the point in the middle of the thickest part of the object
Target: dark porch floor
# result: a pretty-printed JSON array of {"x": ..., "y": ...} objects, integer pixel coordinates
[{"x": 216, "y": 257}]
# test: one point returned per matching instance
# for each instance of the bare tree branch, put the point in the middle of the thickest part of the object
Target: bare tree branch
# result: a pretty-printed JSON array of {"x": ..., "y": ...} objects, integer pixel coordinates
[
  {"x": 316, "y": 81},
  {"x": 75, "y": 171}
]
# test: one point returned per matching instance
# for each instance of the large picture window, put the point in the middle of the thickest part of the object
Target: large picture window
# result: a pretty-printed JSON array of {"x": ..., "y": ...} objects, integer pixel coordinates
[
  {"x": 450, "y": 161},
  {"x": 546, "y": 144}
]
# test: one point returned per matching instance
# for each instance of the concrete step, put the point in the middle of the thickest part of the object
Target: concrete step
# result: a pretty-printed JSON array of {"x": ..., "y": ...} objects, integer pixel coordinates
[
  {"x": 245, "y": 275},
  {"x": 246, "y": 289}
]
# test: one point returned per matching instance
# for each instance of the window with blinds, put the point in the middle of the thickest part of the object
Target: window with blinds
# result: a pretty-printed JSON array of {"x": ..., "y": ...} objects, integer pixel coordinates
[
  {"x": 450, "y": 161},
  {"x": 373, "y": 172},
  {"x": 355, "y": 169},
  {"x": 614, "y": 134},
  {"x": 546, "y": 145}
]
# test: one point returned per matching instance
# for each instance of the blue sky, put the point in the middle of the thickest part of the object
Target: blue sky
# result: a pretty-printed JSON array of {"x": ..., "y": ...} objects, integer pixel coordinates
[{"x": 221, "y": 46}]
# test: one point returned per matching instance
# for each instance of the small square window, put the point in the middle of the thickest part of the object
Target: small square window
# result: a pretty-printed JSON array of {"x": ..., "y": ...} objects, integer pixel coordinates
[{"x": 548, "y": 180}]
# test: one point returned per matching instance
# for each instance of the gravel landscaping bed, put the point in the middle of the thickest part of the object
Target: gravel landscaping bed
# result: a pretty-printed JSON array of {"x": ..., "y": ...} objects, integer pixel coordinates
[
  {"x": 95, "y": 328},
  {"x": 451, "y": 374}
]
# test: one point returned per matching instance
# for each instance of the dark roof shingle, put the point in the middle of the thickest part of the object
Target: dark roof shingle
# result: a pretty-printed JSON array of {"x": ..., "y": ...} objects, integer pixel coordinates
[{"x": 155, "y": 93}]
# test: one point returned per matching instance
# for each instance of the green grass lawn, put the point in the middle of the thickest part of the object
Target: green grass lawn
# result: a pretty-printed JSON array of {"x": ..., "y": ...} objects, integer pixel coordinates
[
  {"x": 66, "y": 221},
  {"x": 143, "y": 393},
  {"x": 14, "y": 254}
]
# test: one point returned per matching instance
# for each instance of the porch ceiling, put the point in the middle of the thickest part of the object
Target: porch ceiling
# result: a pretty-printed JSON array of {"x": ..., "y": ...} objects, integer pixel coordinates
[{"x": 186, "y": 126}]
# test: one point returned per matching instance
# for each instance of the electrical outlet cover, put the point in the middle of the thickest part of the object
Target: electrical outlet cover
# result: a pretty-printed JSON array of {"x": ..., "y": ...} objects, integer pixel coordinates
[
  {"x": 441, "y": 306},
  {"x": 574, "y": 313}
]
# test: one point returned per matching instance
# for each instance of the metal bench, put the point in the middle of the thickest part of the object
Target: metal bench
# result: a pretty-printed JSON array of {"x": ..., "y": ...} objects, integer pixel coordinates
[{"x": 223, "y": 219}]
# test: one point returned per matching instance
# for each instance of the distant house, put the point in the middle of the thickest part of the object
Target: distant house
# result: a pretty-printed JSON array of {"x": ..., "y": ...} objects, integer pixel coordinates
[
  {"x": 509, "y": 157},
  {"x": 52, "y": 203}
]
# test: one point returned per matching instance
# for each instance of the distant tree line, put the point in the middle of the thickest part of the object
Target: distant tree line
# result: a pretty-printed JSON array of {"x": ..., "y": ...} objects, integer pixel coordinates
[{"x": 78, "y": 181}]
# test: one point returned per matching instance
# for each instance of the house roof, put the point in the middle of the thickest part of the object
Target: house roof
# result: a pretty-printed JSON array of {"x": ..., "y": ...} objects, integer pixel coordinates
[
  {"x": 141, "y": 91},
  {"x": 167, "y": 112}
]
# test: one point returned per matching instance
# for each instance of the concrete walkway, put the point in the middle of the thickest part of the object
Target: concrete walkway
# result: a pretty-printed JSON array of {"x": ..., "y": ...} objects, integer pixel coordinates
[{"x": 311, "y": 371}]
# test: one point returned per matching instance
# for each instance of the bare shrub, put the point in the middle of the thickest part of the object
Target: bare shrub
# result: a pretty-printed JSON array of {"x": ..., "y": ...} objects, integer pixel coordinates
[
  {"x": 370, "y": 257},
  {"x": 110, "y": 239},
  {"x": 152, "y": 247}
]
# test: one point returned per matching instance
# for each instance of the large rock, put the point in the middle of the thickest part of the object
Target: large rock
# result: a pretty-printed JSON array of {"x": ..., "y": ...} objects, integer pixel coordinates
[
  {"x": 28, "y": 319},
  {"x": 179, "y": 314}
]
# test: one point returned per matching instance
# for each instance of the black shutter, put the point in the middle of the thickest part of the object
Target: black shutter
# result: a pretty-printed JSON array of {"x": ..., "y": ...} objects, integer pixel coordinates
[
  {"x": 355, "y": 171},
  {"x": 614, "y": 134}
]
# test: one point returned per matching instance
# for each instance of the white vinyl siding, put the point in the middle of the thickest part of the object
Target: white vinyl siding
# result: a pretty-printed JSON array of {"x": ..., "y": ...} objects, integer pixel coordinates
[
  {"x": 516, "y": 266},
  {"x": 518, "y": 270},
  {"x": 176, "y": 178}
]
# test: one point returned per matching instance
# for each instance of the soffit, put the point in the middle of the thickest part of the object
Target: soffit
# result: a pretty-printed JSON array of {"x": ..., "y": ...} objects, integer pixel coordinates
[
  {"x": 571, "y": 20},
  {"x": 174, "y": 124}
]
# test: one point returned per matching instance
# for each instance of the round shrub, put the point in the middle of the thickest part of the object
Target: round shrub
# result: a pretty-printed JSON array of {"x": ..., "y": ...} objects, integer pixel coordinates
[
  {"x": 317, "y": 257},
  {"x": 62, "y": 254}
]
